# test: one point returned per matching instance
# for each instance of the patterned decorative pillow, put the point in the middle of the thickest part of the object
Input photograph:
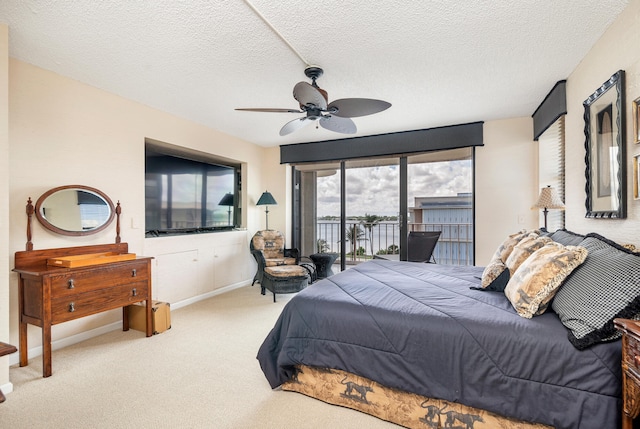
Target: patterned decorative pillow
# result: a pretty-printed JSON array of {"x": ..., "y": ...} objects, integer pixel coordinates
[
  {"x": 495, "y": 276},
  {"x": 505, "y": 249},
  {"x": 524, "y": 249},
  {"x": 538, "y": 278},
  {"x": 604, "y": 287},
  {"x": 492, "y": 276},
  {"x": 566, "y": 237}
]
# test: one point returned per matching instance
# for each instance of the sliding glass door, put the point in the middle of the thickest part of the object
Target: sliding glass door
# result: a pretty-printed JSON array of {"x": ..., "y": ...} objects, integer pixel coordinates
[
  {"x": 372, "y": 201},
  {"x": 440, "y": 198},
  {"x": 381, "y": 200}
]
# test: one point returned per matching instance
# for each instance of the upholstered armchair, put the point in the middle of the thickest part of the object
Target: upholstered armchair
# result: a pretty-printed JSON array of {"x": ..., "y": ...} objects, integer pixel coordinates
[{"x": 267, "y": 247}]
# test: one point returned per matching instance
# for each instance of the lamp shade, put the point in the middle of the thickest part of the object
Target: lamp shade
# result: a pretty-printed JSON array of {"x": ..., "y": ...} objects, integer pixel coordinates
[
  {"x": 227, "y": 200},
  {"x": 549, "y": 199},
  {"x": 266, "y": 199}
]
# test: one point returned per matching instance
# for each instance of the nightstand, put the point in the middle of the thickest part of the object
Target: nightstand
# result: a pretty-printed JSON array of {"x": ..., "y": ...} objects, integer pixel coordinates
[{"x": 630, "y": 370}]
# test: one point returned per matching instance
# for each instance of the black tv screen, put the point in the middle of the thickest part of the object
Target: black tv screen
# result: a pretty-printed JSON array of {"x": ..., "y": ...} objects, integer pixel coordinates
[{"x": 186, "y": 195}]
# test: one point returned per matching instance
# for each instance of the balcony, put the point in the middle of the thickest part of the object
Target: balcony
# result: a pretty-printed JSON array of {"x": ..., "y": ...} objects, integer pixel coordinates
[{"x": 455, "y": 246}]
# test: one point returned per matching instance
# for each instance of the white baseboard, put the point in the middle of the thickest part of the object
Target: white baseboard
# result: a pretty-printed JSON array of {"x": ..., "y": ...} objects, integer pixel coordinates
[
  {"x": 207, "y": 295},
  {"x": 7, "y": 388},
  {"x": 82, "y": 336},
  {"x": 64, "y": 342}
]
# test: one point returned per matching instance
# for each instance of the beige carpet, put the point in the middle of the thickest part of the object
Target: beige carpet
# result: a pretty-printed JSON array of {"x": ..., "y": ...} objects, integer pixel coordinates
[{"x": 202, "y": 373}]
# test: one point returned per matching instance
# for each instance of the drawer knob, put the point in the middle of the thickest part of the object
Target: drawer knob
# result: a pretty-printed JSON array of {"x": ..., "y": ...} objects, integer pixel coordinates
[
  {"x": 72, "y": 307},
  {"x": 134, "y": 272},
  {"x": 71, "y": 285},
  {"x": 134, "y": 292},
  {"x": 636, "y": 360}
]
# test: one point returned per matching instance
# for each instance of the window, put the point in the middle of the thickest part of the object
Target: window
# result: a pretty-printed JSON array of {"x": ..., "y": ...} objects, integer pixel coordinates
[{"x": 551, "y": 169}]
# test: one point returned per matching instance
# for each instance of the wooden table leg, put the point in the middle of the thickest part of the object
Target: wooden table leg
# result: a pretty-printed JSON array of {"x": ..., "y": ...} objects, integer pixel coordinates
[
  {"x": 46, "y": 350},
  {"x": 125, "y": 318},
  {"x": 22, "y": 329},
  {"x": 24, "y": 351},
  {"x": 149, "y": 314}
]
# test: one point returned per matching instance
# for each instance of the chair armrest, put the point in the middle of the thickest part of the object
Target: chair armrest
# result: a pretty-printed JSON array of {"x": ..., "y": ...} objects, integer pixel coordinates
[
  {"x": 292, "y": 253},
  {"x": 259, "y": 257}
]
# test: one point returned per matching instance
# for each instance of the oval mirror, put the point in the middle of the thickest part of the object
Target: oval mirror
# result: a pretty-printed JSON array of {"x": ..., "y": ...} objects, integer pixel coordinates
[{"x": 74, "y": 210}]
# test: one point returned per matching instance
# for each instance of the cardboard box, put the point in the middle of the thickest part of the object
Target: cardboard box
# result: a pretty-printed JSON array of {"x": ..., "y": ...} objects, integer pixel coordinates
[{"x": 160, "y": 317}]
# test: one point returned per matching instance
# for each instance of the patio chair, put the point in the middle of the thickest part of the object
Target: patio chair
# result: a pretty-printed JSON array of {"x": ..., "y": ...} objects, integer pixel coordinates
[{"x": 420, "y": 245}]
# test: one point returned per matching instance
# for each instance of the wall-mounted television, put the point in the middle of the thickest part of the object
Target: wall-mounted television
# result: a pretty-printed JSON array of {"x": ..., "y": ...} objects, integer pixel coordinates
[{"x": 186, "y": 193}]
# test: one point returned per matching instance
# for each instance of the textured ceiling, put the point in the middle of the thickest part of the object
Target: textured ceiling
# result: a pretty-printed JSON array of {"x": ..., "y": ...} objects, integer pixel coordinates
[{"x": 439, "y": 62}]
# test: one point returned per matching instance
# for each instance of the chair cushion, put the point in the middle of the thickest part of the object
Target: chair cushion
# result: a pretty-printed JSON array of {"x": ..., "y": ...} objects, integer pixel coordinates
[
  {"x": 274, "y": 262},
  {"x": 284, "y": 271},
  {"x": 270, "y": 242}
]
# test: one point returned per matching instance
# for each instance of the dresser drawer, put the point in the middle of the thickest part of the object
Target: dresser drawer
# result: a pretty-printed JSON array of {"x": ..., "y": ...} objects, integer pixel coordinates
[
  {"x": 77, "y": 305},
  {"x": 78, "y": 281}
]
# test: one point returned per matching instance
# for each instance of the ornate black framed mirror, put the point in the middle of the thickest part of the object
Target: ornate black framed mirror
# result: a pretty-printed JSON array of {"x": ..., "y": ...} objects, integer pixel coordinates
[
  {"x": 604, "y": 130},
  {"x": 75, "y": 210}
]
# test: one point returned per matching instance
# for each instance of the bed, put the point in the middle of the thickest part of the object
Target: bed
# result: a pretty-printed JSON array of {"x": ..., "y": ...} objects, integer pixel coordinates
[{"x": 459, "y": 353}]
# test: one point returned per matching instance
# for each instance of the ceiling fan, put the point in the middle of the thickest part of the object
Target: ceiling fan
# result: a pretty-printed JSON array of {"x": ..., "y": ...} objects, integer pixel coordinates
[{"x": 334, "y": 116}]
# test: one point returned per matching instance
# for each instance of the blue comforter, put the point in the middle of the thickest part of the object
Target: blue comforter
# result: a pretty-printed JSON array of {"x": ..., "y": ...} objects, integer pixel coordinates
[{"x": 420, "y": 328}]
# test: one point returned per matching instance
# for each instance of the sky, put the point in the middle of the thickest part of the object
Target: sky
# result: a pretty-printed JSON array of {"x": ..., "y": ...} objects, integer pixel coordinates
[{"x": 375, "y": 190}]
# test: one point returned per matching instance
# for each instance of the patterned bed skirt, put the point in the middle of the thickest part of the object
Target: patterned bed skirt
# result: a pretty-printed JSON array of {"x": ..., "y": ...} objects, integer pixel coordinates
[{"x": 402, "y": 408}]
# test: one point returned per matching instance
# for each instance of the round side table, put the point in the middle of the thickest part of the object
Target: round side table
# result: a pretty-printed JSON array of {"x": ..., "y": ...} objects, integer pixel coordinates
[{"x": 323, "y": 263}]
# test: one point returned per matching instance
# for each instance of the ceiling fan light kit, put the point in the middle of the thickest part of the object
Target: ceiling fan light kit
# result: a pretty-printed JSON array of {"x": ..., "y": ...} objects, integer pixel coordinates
[{"x": 314, "y": 101}]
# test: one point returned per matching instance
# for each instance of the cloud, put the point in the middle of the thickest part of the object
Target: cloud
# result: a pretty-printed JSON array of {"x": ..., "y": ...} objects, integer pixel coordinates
[{"x": 375, "y": 190}]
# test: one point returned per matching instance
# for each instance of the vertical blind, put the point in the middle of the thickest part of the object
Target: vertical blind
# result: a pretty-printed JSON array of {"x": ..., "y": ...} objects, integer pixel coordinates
[{"x": 551, "y": 168}]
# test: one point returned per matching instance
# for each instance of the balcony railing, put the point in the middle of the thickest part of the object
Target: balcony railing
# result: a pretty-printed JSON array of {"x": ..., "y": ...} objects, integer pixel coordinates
[{"x": 455, "y": 246}]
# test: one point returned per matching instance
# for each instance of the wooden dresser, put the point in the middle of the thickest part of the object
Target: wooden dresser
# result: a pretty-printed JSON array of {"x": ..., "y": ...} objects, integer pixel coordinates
[
  {"x": 630, "y": 370},
  {"x": 49, "y": 295}
]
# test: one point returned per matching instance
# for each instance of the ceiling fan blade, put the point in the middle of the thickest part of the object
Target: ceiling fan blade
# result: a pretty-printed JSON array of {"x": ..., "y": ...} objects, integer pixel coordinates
[
  {"x": 339, "y": 125},
  {"x": 294, "y": 125},
  {"x": 307, "y": 94},
  {"x": 354, "y": 107},
  {"x": 260, "y": 109}
]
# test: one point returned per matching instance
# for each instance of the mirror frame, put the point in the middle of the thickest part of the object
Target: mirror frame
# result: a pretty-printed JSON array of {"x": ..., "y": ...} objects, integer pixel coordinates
[
  {"x": 48, "y": 225},
  {"x": 613, "y": 92}
]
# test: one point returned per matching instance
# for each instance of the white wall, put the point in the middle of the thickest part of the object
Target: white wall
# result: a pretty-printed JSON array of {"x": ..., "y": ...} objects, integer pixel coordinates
[{"x": 616, "y": 50}]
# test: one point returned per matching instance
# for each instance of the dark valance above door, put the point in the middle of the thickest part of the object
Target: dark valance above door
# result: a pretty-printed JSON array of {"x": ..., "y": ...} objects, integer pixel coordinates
[{"x": 400, "y": 143}]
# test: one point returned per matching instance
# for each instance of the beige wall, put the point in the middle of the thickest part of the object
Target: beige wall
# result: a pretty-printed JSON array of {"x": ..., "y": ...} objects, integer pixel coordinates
[
  {"x": 5, "y": 386},
  {"x": 506, "y": 183},
  {"x": 616, "y": 50},
  {"x": 63, "y": 132},
  {"x": 276, "y": 183}
]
